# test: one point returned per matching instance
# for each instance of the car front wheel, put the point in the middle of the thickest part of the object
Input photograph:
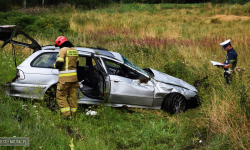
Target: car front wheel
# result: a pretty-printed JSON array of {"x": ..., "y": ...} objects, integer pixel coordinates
[{"x": 174, "y": 103}]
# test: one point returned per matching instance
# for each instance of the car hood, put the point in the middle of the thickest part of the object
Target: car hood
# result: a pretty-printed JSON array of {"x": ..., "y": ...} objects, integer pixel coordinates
[{"x": 165, "y": 78}]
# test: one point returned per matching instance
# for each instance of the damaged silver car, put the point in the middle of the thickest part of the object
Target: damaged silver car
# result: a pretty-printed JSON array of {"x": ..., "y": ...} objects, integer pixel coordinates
[{"x": 105, "y": 77}]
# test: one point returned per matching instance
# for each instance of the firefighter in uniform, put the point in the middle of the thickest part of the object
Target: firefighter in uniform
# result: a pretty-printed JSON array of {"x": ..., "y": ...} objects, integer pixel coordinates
[
  {"x": 67, "y": 86},
  {"x": 230, "y": 61}
]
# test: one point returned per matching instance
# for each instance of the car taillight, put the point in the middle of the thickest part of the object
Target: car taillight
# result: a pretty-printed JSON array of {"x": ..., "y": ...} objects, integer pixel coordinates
[{"x": 20, "y": 75}]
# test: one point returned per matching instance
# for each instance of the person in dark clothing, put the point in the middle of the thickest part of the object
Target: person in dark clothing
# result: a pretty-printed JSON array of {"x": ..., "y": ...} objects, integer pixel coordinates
[{"x": 230, "y": 61}]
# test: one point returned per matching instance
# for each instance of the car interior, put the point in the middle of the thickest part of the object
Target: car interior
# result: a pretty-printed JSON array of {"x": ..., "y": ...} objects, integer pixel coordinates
[{"x": 87, "y": 72}]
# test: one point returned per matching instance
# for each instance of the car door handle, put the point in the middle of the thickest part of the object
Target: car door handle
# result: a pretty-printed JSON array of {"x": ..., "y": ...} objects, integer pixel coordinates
[
  {"x": 117, "y": 81},
  {"x": 55, "y": 71}
]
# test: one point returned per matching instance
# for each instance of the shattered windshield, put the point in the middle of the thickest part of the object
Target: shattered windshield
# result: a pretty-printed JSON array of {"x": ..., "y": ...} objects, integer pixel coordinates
[{"x": 129, "y": 63}]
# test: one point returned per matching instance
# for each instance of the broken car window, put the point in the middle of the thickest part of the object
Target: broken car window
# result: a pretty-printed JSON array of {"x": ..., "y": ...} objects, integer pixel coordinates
[
  {"x": 116, "y": 68},
  {"x": 129, "y": 63}
]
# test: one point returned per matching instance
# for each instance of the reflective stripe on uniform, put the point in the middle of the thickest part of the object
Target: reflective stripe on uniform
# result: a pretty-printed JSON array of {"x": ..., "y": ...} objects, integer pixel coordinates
[
  {"x": 67, "y": 74},
  {"x": 73, "y": 109},
  {"x": 67, "y": 64},
  {"x": 69, "y": 71},
  {"x": 65, "y": 109},
  {"x": 60, "y": 59}
]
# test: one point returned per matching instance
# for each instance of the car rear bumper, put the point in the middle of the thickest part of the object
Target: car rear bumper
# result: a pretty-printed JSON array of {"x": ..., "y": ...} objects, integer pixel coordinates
[{"x": 25, "y": 90}]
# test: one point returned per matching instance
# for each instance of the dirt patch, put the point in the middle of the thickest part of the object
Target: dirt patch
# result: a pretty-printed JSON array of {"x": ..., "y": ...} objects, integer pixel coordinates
[{"x": 229, "y": 17}]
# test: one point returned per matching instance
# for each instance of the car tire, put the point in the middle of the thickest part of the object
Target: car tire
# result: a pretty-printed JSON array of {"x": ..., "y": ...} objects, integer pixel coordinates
[
  {"x": 50, "y": 98},
  {"x": 174, "y": 103}
]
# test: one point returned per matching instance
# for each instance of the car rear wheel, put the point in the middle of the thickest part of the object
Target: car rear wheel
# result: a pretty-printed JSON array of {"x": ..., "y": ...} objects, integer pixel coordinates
[
  {"x": 50, "y": 98},
  {"x": 174, "y": 103}
]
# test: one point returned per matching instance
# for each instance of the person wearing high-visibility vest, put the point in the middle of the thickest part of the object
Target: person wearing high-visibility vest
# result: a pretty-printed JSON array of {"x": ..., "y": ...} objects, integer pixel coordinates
[{"x": 66, "y": 62}]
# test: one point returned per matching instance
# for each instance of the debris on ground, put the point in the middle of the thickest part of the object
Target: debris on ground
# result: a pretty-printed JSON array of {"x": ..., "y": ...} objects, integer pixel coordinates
[{"x": 92, "y": 113}]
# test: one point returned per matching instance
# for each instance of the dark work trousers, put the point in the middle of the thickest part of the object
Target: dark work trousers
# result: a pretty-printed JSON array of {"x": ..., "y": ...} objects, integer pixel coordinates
[{"x": 228, "y": 77}]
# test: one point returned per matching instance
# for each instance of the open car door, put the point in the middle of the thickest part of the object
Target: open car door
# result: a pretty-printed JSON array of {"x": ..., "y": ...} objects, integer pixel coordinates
[
  {"x": 8, "y": 32},
  {"x": 104, "y": 79}
]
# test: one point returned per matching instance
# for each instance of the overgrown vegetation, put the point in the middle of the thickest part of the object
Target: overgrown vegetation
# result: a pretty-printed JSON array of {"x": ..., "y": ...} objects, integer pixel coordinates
[
  {"x": 177, "y": 41},
  {"x": 33, "y": 24}
]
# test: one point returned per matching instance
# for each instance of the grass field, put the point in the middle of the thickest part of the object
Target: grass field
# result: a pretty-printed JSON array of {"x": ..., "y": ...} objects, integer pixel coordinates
[{"x": 176, "y": 39}]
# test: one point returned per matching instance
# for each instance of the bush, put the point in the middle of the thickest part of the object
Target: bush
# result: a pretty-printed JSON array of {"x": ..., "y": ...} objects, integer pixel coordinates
[
  {"x": 25, "y": 21},
  {"x": 32, "y": 24},
  {"x": 10, "y": 17},
  {"x": 48, "y": 22}
]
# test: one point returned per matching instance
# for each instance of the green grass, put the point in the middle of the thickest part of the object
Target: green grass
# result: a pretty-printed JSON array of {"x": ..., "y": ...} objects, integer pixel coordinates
[{"x": 111, "y": 128}]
